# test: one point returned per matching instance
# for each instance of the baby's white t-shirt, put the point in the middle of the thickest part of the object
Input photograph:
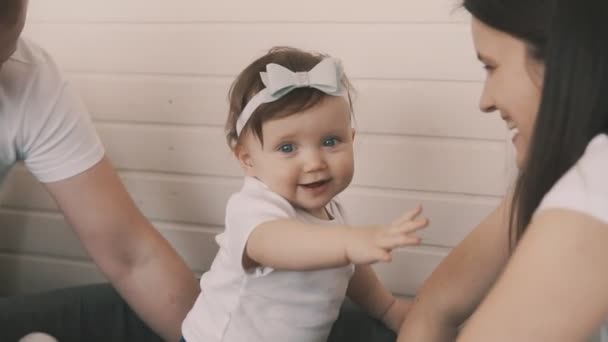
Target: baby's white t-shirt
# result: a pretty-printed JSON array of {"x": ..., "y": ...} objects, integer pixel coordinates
[
  {"x": 42, "y": 121},
  {"x": 263, "y": 304},
  {"x": 584, "y": 188}
]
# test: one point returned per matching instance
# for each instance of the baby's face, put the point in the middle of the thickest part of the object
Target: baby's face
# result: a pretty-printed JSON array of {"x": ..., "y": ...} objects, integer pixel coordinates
[{"x": 307, "y": 157}]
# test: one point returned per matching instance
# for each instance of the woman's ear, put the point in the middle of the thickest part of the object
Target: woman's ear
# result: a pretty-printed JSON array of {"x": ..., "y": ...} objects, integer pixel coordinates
[{"x": 244, "y": 157}]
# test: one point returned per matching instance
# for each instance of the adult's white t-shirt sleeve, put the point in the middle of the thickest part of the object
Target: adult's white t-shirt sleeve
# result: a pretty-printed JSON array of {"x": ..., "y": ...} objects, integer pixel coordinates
[
  {"x": 584, "y": 188},
  {"x": 247, "y": 210},
  {"x": 59, "y": 139}
]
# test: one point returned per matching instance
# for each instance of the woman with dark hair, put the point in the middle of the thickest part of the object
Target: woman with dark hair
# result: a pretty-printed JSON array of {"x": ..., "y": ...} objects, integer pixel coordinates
[{"x": 537, "y": 268}]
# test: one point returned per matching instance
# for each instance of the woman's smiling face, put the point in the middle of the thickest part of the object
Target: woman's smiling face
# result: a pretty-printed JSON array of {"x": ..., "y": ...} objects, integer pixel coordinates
[{"x": 513, "y": 83}]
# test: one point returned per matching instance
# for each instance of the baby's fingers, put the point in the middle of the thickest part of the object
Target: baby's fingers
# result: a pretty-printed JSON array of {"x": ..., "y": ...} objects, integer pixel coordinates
[
  {"x": 393, "y": 241},
  {"x": 408, "y": 227},
  {"x": 408, "y": 216}
]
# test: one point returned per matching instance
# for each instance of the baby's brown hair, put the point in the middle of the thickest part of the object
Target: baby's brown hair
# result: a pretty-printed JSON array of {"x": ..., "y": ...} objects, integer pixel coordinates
[{"x": 248, "y": 83}]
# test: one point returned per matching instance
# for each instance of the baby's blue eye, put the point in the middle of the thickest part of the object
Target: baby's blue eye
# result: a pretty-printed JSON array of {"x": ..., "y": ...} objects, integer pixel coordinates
[
  {"x": 286, "y": 148},
  {"x": 333, "y": 141}
]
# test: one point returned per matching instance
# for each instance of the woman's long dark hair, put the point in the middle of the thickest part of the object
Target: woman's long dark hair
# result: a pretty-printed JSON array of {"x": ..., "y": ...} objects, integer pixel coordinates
[
  {"x": 574, "y": 105},
  {"x": 527, "y": 20}
]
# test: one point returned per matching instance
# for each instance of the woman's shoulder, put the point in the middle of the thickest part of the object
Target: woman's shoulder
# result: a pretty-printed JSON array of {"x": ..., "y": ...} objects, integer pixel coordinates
[
  {"x": 589, "y": 172},
  {"x": 584, "y": 188},
  {"x": 596, "y": 152}
]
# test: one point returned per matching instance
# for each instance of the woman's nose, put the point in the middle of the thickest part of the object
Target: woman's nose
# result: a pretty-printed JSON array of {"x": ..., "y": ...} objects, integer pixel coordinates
[{"x": 486, "y": 101}]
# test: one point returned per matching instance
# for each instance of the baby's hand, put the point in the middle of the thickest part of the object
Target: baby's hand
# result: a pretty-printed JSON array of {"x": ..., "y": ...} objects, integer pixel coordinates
[{"x": 370, "y": 244}]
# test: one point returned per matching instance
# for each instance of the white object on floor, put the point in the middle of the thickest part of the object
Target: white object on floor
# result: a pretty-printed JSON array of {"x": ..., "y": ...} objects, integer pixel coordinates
[
  {"x": 38, "y": 337},
  {"x": 604, "y": 334}
]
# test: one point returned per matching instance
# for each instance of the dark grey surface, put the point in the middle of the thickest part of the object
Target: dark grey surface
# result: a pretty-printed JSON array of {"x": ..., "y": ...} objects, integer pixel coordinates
[
  {"x": 83, "y": 313},
  {"x": 96, "y": 312}
]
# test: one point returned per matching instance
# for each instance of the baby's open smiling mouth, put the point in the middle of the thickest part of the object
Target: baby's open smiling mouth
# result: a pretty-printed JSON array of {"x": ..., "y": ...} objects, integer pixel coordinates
[{"x": 315, "y": 184}]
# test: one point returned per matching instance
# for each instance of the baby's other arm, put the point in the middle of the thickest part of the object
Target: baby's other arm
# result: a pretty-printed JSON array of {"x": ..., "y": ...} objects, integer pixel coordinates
[
  {"x": 290, "y": 244},
  {"x": 366, "y": 290},
  {"x": 293, "y": 245}
]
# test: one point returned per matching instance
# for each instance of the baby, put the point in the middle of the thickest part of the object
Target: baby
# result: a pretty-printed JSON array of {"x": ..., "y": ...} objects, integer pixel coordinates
[{"x": 287, "y": 257}]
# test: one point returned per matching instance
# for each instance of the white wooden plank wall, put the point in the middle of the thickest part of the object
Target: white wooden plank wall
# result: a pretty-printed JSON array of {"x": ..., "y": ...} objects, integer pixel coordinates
[{"x": 155, "y": 75}]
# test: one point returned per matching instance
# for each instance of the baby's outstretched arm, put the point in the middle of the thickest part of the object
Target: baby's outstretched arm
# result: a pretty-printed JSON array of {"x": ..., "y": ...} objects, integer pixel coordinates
[
  {"x": 373, "y": 243},
  {"x": 293, "y": 245}
]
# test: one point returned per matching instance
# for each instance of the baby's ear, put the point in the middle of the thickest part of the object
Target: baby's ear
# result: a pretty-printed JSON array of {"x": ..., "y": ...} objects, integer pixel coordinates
[{"x": 244, "y": 157}]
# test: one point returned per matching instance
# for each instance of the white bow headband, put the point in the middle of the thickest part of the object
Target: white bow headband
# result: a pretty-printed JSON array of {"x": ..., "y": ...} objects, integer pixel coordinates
[{"x": 326, "y": 76}]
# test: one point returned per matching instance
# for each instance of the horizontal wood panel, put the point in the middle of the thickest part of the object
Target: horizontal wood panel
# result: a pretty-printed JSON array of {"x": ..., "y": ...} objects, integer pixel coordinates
[
  {"x": 197, "y": 200},
  {"x": 169, "y": 149},
  {"x": 201, "y": 201},
  {"x": 409, "y": 269},
  {"x": 440, "y": 165},
  {"x": 451, "y": 217},
  {"x": 49, "y": 234},
  {"x": 23, "y": 274},
  {"x": 429, "y": 108},
  {"x": 391, "y": 51},
  {"x": 155, "y": 99},
  {"x": 235, "y": 10},
  {"x": 426, "y": 108}
]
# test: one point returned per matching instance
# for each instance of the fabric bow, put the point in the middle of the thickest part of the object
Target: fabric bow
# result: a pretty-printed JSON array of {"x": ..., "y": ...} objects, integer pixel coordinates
[{"x": 326, "y": 76}]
